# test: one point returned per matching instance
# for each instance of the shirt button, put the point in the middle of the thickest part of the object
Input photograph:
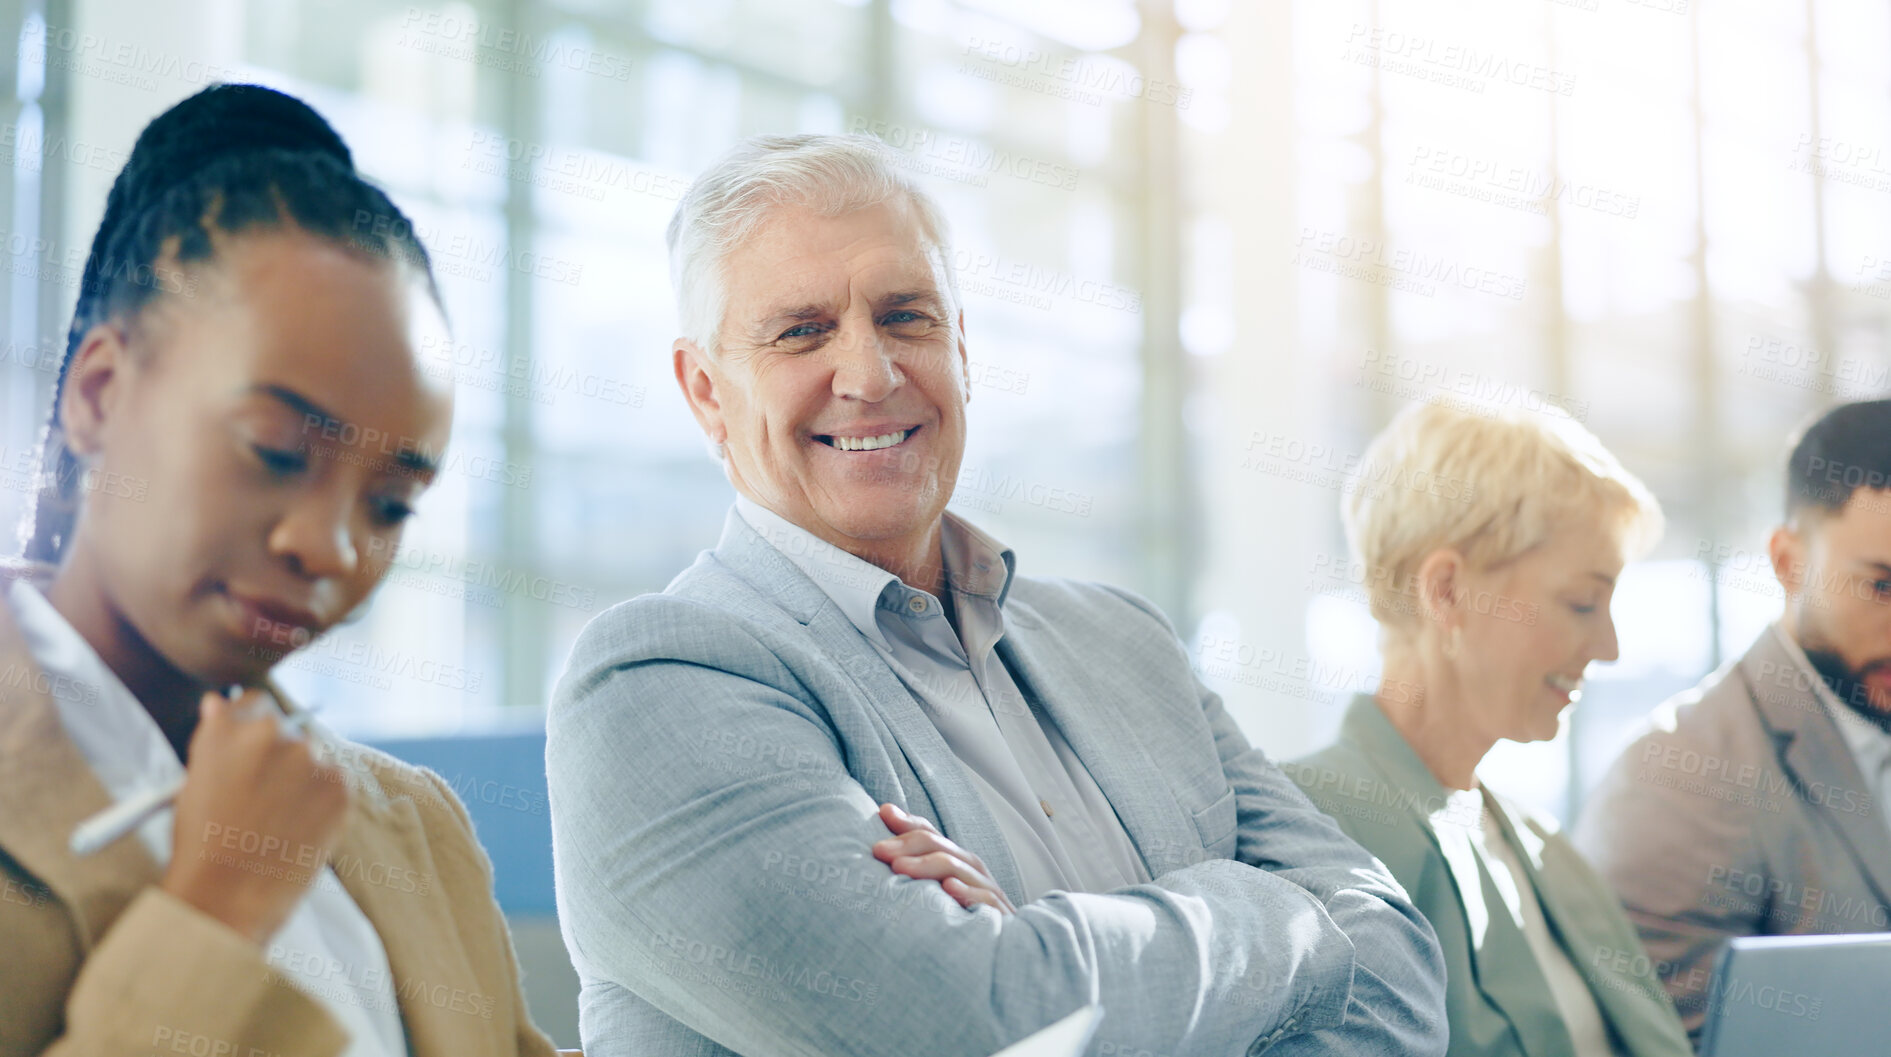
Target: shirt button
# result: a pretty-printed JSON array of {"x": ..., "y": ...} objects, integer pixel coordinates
[
  {"x": 916, "y": 604},
  {"x": 1046, "y": 805}
]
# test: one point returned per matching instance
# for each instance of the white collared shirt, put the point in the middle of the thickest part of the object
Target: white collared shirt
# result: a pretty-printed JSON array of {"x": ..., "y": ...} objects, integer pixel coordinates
[
  {"x": 327, "y": 946},
  {"x": 1870, "y": 744},
  {"x": 1056, "y": 822}
]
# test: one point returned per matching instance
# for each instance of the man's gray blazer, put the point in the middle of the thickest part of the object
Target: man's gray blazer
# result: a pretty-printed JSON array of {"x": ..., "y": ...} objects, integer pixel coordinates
[
  {"x": 1740, "y": 813},
  {"x": 717, "y": 753}
]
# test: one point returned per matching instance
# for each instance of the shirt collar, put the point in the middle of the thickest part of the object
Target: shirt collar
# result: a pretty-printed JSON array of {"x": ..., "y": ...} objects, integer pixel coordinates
[
  {"x": 975, "y": 564},
  {"x": 1367, "y": 726},
  {"x": 854, "y": 584},
  {"x": 113, "y": 731},
  {"x": 1867, "y": 741},
  {"x": 1410, "y": 782}
]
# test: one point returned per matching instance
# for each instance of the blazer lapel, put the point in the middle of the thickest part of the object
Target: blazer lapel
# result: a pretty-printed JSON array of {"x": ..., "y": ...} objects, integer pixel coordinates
[
  {"x": 1813, "y": 751},
  {"x": 1057, "y": 679},
  {"x": 1503, "y": 967},
  {"x": 1366, "y": 725},
  {"x": 384, "y": 838},
  {"x": 47, "y": 789},
  {"x": 960, "y": 810},
  {"x": 1589, "y": 922}
]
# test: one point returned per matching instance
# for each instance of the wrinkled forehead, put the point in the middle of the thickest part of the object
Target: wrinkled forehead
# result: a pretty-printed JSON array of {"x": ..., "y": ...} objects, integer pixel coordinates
[{"x": 796, "y": 253}]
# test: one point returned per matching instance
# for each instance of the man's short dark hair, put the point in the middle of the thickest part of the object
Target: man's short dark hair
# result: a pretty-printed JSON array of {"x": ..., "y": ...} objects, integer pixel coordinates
[{"x": 1848, "y": 448}]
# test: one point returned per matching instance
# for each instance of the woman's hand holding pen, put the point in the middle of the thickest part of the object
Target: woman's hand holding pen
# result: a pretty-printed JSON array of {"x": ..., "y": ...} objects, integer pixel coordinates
[{"x": 257, "y": 817}]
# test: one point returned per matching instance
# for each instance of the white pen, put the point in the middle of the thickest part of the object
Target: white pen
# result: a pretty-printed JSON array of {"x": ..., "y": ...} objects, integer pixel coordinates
[{"x": 121, "y": 818}]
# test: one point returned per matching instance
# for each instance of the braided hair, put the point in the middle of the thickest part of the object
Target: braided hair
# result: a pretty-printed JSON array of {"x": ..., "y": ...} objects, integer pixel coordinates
[{"x": 227, "y": 160}]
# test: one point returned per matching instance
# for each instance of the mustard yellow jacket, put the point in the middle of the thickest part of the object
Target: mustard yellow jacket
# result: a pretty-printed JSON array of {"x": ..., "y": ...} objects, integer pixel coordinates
[{"x": 97, "y": 961}]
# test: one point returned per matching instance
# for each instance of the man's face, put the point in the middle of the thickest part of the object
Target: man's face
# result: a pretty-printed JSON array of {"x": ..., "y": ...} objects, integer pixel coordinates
[
  {"x": 1836, "y": 570},
  {"x": 838, "y": 391}
]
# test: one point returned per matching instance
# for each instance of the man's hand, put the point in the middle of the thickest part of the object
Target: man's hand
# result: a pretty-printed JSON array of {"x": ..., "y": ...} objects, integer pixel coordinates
[{"x": 920, "y": 851}]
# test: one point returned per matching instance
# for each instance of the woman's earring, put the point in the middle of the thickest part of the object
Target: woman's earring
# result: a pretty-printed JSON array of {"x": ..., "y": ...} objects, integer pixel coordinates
[{"x": 1454, "y": 642}]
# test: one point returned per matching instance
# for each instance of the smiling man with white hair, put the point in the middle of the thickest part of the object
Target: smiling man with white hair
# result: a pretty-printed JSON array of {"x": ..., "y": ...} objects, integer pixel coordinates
[{"x": 852, "y": 785}]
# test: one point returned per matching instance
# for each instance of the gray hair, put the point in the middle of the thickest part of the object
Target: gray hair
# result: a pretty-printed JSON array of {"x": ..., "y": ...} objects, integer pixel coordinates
[{"x": 831, "y": 174}]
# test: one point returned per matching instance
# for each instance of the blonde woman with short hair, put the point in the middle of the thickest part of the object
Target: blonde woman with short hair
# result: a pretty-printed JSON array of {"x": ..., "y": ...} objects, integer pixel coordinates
[{"x": 1492, "y": 596}]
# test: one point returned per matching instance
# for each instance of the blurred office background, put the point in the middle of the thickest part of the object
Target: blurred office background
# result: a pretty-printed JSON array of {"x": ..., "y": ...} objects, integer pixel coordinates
[{"x": 1207, "y": 248}]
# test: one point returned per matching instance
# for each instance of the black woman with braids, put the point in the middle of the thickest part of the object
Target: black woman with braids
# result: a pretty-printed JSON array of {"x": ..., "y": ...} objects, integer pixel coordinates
[{"x": 242, "y": 425}]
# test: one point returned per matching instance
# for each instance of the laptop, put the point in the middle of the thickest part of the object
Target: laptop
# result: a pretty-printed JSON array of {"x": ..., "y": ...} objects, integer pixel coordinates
[
  {"x": 1787, "y": 996},
  {"x": 1065, "y": 1038}
]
